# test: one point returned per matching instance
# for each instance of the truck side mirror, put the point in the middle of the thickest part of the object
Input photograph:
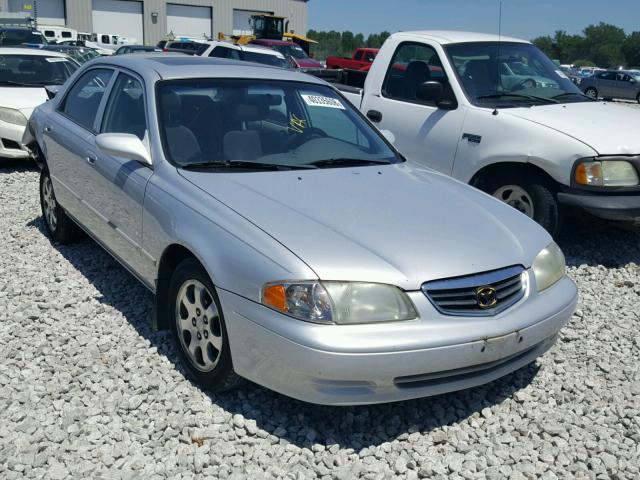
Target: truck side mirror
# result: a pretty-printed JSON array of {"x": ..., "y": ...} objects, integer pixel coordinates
[{"x": 430, "y": 92}]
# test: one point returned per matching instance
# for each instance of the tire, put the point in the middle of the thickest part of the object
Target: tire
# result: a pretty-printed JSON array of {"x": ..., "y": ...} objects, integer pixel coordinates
[
  {"x": 59, "y": 226},
  {"x": 206, "y": 358},
  {"x": 591, "y": 92},
  {"x": 638, "y": 98},
  {"x": 529, "y": 195}
]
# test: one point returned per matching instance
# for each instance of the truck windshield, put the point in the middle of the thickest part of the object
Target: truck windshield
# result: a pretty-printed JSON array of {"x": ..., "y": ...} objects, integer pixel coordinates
[
  {"x": 264, "y": 124},
  {"x": 510, "y": 74},
  {"x": 34, "y": 70}
]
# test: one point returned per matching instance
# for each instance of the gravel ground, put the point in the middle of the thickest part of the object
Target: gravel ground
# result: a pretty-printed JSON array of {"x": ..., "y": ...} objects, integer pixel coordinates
[{"x": 87, "y": 390}]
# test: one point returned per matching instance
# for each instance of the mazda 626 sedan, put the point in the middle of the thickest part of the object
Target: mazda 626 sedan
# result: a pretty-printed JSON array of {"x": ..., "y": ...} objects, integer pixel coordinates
[{"x": 286, "y": 241}]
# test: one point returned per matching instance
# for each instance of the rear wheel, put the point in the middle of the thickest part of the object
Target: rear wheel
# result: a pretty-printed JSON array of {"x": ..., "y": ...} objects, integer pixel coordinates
[
  {"x": 528, "y": 195},
  {"x": 198, "y": 328},
  {"x": 591, "y": 92},
  {"x": 59, "y": 226}
]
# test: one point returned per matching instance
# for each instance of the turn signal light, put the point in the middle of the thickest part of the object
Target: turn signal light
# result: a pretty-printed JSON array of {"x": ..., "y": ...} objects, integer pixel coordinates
[{"x": 275, "y": 296}]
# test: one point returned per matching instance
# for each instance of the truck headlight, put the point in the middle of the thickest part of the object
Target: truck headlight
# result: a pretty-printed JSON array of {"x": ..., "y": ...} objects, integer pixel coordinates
[
  {"x": 606, "y": 173},
  {"x": 10, "y": 115},
  {"x": 339, "y": 302},
  {"x": 549, "y": 266}
]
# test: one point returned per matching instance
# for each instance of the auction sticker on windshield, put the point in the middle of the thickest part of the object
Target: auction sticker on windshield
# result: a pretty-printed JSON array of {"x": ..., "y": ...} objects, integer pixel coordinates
[{"x": 321, "y": 101}]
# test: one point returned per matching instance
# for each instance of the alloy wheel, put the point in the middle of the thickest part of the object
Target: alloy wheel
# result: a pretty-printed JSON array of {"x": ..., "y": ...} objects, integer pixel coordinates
[
  {"x": 517, "y": 197},
  {"x": 50, "y": 204},
  {"x": 198, "y": 325}
]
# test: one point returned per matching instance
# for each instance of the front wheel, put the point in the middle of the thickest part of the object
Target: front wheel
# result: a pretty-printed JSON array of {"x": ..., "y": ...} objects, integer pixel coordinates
[
  {"x": 591, "y": 92},
  {"x": 531, "y": 197},
  {"x": 59, "y": 226},
  {"x": 198, "y": 329}
]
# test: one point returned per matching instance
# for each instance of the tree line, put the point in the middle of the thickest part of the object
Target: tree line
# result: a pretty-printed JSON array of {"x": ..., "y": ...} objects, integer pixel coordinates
[
  {"x": 602, "y": 45},
  {"x": 342, "y": 44}
]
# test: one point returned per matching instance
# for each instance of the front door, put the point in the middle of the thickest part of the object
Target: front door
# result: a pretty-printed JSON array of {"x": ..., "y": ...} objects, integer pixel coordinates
[
  {"x": 423, "y": 132},
  {"x": 123, "y": 181}
]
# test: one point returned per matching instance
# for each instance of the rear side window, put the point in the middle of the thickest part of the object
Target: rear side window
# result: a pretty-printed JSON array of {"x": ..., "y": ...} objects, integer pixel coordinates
[
  {"x": 358, "y": 55},
  {"x": 105, "y": 39},
  {"x": 82, "y": 102},
  {"x": 49, "y": 33},
  {"x": 224, "y": 52},
  {"x": 125, "y": 110},
  {"x": 66, "y": 34}
]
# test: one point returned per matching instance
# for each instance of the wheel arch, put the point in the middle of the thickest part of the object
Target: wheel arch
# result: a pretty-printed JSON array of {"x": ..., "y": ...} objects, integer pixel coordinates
[
  {"x": 171, "y": 257},
  {"x": 481, "y": 177}
]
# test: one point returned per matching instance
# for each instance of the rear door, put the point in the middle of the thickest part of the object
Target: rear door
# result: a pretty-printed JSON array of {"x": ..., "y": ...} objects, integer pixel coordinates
[
  {"x": 123, "y": 181},
  {"x": 606, "y": 84},
  {"x": 69, "y": 141}
]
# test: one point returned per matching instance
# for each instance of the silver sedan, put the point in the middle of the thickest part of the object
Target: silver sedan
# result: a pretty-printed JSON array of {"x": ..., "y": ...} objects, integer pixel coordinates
[
  {"x": 613, "y": 84},
  {"x": 286, "y": 241}
]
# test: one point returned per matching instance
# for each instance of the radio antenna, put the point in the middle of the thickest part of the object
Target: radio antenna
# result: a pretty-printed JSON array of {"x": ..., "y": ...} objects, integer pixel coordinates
[{"x": 498, "y": 82}]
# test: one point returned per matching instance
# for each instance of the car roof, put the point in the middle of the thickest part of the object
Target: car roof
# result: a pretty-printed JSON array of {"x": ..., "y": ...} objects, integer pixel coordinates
[
  {"x": 177, "y": 66},
  {"x": 455, "y": 36},
  {"x": 30, "y": 51},
  {"x": 247, "y": 48}
]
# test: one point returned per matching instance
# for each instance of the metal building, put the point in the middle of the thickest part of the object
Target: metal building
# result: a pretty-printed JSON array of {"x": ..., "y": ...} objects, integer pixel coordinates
[{"x": 149, "y": 21}]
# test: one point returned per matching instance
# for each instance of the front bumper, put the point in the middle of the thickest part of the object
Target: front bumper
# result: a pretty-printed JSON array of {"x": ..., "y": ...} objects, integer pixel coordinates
[
  {"x": 11, "y": 141},
  {"x": 610, "y": 206},
  {"x": 377, "y": 363}
]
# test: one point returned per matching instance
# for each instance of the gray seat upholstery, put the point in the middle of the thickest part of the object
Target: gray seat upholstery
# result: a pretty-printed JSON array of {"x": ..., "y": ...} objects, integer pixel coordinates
[
  {"x": 181, "y": 142},
  {"x": 480, "y": 78}
]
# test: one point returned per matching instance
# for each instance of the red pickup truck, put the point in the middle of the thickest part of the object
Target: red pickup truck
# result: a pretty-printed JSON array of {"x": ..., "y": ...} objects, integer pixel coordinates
[{"x": 361, "y": 60}]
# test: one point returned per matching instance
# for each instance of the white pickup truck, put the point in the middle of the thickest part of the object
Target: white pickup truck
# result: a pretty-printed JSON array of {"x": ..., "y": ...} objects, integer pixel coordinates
[{"x": 496, "y": 113}]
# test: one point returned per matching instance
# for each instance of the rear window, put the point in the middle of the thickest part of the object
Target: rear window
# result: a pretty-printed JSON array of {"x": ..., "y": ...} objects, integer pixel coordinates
[
  {"x": 34, "y": 70},
  {"x": 20, "y": 36}
]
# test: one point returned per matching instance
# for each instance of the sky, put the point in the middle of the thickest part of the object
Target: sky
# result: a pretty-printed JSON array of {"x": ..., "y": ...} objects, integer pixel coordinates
[{"x": 520, "y": 18}]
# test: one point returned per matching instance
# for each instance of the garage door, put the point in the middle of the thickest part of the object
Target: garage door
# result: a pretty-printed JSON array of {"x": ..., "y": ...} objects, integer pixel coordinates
[
  {"x": 119, "y": 17},
  {"x": 186, "y": 20},
  {"x": 50, "y": 12},
  {"x": 241, "y": 21}
]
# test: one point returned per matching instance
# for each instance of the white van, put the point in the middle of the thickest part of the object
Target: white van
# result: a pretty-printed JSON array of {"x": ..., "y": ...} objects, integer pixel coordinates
[{"x": 56, "y": 34}]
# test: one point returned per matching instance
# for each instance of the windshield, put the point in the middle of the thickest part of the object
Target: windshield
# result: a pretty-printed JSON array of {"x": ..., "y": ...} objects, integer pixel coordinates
[
  {"x": 267, "y": 123},
  {"x": 21, "y": 36},
  {"x": 265, "y": 59},
  {"x": 509, "y": 74},
  {"x": 34, "y": 70},
  {"x": 292, "y": 51}
]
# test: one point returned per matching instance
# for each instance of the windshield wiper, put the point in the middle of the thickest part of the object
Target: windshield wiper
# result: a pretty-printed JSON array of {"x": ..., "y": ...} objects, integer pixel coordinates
[
  {"x": 347, "y": 162},
  {"x": 19, "y": 84},
  {"x": 517, "y": 95},
  {"x": 577, "y": 94},
  {"x": 243, "y": 164}
]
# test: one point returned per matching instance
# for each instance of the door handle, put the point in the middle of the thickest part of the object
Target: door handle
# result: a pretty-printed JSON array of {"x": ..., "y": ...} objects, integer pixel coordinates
[
  {"x": 91, "y": 159},
  {"x": 48, "y": 129},
  {"x": 374, "y": 116}
]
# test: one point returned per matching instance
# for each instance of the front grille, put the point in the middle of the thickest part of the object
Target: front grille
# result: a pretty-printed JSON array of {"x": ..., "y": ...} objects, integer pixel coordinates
[{"x": 481, "y": 294}]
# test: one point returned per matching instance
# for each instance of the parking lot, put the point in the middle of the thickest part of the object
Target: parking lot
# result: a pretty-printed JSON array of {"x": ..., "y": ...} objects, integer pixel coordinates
[{"x": 87, "y": 389}]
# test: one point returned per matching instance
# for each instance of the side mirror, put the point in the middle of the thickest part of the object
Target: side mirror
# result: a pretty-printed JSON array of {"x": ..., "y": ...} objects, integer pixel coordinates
[
  {"x": 52, "y": 90},
  {"x": 388, "y": 134},
  {"x": 430, "y": 92},
  {"x": 124, "y": 145}
]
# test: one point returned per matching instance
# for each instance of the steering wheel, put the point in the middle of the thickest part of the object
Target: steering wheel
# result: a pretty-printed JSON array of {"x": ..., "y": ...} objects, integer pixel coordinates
[
  {"x": 308, "y": 133},
  {"x": 527, "y": 83}
]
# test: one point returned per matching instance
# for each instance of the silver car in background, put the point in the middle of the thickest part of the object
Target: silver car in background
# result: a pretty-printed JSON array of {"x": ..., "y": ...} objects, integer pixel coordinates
[
  {"x": 612, "y": 84},
  {"x": 286, "y": 241}
]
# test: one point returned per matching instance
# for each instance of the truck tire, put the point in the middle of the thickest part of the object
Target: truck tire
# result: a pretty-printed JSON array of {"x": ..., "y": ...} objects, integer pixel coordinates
[
  {"x": 591, "y": 92},
  {"x": 529, "y": 195},
  {"x": 59, "y": 226},
  {"x": 198, "y": 328}
]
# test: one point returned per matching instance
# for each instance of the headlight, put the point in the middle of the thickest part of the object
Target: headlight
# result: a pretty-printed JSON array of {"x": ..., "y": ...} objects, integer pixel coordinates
[
  {"x": 339, "y": 302},
  {"x": 606, "y": 173},
  {"x": 549, "y": 266},
  {"x": 10, "y": 115}
]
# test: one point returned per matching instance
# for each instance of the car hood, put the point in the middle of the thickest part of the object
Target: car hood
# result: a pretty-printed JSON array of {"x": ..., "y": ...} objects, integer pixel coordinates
[
  {"x": 397, "y": 224},
  {"x": 607, "y": 128},
  {"x": 24, "y": 99}
]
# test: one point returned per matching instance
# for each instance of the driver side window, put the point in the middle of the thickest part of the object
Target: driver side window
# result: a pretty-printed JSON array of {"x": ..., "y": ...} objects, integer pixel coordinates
[{"x": 411, "y": 66}]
